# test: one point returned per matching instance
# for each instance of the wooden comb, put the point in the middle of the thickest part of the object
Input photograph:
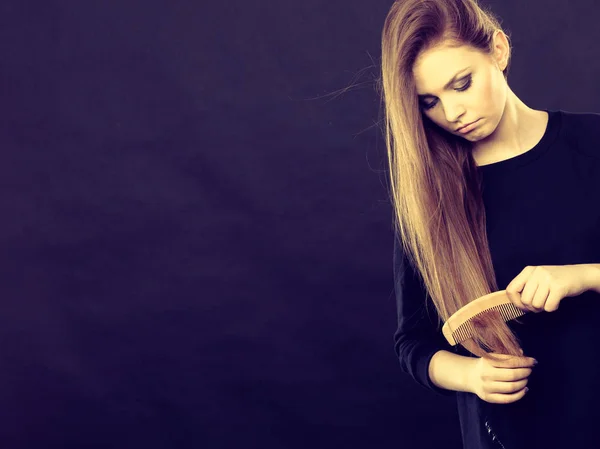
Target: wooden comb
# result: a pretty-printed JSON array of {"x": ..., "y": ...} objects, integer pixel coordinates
[{"x": 459, "y": 327}]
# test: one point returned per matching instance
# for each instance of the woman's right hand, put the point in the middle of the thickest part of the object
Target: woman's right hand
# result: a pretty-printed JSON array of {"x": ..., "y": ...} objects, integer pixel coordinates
[{"x": 500, "y": 382}]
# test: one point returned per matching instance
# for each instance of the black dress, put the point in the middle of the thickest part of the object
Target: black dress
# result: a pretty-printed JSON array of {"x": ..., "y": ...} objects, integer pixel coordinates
[{"x": 542, "y": 208}]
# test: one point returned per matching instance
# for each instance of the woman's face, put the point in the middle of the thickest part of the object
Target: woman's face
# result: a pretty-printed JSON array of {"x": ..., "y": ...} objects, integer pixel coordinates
[{"x": 477, "y": 93}]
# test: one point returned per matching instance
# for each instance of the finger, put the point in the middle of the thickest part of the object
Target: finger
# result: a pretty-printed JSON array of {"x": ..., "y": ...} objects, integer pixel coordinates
[
  {"x": 506, "y": 387},
  {"x": 499, "y": 398},
  {"x": 540, "y": 298},
  {"x": 516, "y": 286},
  {"x": 511, "y": 374},
  {"x": 515, "y": 298},
  {"x": 501, "y": 362},
  {"x": 519, "y": 362},
  {"x": 511, "y": 361},
  {"x": 553, "y": 301},
  {"x": 527, "y": 294}
]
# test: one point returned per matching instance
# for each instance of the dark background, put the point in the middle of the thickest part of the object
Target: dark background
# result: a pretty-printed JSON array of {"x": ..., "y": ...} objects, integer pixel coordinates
[{"x": 196, "y": 235}]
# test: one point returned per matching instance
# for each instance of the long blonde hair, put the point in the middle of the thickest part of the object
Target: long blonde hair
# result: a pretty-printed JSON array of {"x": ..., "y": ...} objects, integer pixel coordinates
[{"x": 435, "y": 186}]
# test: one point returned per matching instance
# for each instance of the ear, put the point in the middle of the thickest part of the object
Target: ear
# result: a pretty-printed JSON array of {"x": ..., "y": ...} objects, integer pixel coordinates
[{"x": 501, "y": 49}]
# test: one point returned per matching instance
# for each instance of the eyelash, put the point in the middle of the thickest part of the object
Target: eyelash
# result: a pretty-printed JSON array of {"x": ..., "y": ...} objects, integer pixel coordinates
[{"x": 459, "y": 89}]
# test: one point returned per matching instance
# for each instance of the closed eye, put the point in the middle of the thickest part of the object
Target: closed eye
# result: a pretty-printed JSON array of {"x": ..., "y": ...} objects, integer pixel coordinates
[{"x": 428, "y": 106}]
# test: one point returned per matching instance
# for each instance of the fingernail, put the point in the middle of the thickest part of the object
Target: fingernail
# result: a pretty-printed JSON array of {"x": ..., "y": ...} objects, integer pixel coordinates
[
  {"x": 526, "y": 389},
  {"x": 535, "y": 362}
]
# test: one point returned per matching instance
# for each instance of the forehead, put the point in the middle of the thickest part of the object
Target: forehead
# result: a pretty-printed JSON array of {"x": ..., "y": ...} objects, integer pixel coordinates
[{"x": 434, "y": 67}]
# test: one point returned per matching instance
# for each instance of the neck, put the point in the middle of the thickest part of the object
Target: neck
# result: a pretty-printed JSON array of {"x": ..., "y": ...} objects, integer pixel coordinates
[{"x": 519, "y": 129}]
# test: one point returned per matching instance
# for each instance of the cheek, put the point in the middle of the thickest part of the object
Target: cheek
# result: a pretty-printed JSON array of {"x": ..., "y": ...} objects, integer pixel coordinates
[
  {"x": 492, "y": 88},
  {"x": 483, "y": 91}
]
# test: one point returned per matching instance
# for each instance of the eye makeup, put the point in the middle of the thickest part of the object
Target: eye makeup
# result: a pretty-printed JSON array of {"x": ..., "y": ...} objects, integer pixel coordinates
[{"x": 466, "y": 86}]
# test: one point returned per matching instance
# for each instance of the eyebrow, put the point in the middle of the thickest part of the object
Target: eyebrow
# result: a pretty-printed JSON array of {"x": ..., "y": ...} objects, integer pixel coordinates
[{"x": 448, "y": 84}]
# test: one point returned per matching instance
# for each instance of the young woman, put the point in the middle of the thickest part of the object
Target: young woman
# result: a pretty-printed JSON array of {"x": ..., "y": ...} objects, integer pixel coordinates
[{"x": 491, "y": 194}]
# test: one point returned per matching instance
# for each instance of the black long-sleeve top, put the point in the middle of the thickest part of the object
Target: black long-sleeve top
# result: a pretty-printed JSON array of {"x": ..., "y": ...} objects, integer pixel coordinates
[{"x": 542, "y": 208}]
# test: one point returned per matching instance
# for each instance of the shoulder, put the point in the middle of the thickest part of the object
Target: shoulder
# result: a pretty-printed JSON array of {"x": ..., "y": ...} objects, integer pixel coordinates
[
  {"x": 580, "y": 123},
  {"x": 581, "y": 117},
  {"x": 582, "y": 130}
]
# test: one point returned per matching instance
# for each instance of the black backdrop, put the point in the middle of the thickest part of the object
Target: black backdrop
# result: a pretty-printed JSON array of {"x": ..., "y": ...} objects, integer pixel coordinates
[{"x": 195, "y": 227}]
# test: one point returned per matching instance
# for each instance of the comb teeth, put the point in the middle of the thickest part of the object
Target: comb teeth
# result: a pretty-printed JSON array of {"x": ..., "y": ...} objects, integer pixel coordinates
[{"x": 507, "y": 312}]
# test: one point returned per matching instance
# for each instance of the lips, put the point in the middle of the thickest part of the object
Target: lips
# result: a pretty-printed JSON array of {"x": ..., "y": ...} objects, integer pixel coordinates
[{"x": 464, "y": 126}]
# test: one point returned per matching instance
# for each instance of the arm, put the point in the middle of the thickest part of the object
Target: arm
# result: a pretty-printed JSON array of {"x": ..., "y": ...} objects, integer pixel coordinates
[
  {"x": 423, "y": 352},
  {"x": 592, "y": 276},
  {"x": 451, "y": 371}
]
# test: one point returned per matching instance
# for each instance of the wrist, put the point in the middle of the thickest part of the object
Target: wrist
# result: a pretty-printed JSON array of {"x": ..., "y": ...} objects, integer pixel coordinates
[
  {"x": 591, "y": 277},
  {"x": 469, "y": 375}
]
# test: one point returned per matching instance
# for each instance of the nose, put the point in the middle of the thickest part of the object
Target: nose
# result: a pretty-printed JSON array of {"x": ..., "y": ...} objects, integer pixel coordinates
[{"x": 453, "y": 116}]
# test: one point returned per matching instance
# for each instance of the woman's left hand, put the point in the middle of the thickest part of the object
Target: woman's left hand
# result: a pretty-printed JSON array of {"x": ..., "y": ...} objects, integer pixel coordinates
[{"x": 542, "y": 288}]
